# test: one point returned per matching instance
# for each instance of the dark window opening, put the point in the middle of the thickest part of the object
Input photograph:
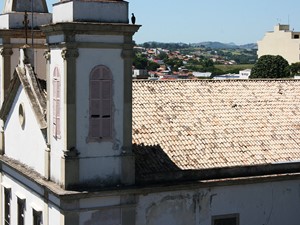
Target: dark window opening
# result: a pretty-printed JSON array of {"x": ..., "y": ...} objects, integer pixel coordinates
[
  {"x": 232, "y": 219},
  {"x": 21, "y": 211},
  {"x": 296, "y": 36},
  {"x": 7, "y": 194},
  {"x": 37, "y": 217}
]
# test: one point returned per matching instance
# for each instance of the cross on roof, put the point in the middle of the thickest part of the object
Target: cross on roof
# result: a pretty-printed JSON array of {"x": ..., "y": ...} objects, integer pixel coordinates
[{"x": 26, "y": 22}]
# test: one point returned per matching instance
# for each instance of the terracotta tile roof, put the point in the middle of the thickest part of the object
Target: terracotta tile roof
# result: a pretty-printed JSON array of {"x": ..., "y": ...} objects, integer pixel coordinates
[{"x": 203, "y": 124}]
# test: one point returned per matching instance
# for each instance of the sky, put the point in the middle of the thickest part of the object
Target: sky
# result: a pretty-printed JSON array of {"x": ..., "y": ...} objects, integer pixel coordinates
[{"x": 193, "y": 21}]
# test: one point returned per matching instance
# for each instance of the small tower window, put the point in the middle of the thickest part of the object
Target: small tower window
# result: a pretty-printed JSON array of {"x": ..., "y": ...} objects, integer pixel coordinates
[
  {"x": 7, "y": 196},
  {"x": 21, "y": 211},
  {"x": 22, "y": 115},
  {"x": 56, "y": 103},
  {"x": 100, "y": 104},
  {"x": 37, "y": 217}
]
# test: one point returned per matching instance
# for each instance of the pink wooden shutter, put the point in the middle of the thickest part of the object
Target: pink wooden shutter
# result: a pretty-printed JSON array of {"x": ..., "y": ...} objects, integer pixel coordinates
[
  {"x": 56, "y": 103},
  {"x": 100, "y": 103},
  {"x": 106, "y": 108},
  {"x": 95, "y": 106}
]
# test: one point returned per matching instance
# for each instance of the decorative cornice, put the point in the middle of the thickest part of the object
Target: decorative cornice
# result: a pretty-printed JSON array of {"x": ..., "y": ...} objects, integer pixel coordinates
[
  {"x": 71, "y": 153},
  {"x": 6, "y": 51},
  {"x": 90, "y": 28},
  {"x": 47, "y": 55},
  {"x": 69, "y": 53}
]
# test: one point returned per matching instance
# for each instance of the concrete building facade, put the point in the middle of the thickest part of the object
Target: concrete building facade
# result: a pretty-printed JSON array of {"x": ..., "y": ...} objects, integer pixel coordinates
[{"x": 282, "y": 41}]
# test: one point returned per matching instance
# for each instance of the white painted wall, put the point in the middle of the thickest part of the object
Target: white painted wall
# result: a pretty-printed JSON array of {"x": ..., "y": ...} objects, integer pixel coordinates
[
  {"x": 15, "y": 20},
  {"x": 28, "y": 144},
  {"x": 32, "y": 200},
  {"x": 116, "y": 12},
  {"x": 57, "y": 145},
  {"x": 97, "y": 159},
  {"x": 1, "y": 80},
  {"x": 273, "y": 203},
  {"x": 117, "y": 39},
  {"x": 280, "y": 42}
]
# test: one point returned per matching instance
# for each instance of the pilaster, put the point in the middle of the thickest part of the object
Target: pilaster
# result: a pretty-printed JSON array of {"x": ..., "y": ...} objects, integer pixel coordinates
[
  {"x": 128, "y": 161},
  {"x": 70, "y": 161},
  {"x": 6, "y": 53}
]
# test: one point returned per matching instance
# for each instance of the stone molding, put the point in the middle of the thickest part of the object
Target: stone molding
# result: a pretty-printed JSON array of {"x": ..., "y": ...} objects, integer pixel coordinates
[
  {"x": 6, "y": 51},
  {"x": 47, "y": 55},
  {"x": 69, "y": 53}
]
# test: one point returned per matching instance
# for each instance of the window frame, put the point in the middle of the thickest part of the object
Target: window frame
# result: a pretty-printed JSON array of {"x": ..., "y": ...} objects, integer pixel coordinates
[
  {"x": 56, "y": 101},
  {"x": 36, "y": 217},
  {"x": 7, "y": 206},
  {"x": 101, "y": 95},
  {"x": 21, "y": 211},
  {"x": 235, "y": 216}
]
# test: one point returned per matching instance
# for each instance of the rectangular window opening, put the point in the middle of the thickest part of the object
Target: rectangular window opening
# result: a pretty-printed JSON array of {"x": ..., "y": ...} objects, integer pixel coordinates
[
  {"x": 7, "y": 196},
  {"x": 21, "y": 211},
  {"x": 37, "y": 217},
  {"x": 230, "y": 219}
]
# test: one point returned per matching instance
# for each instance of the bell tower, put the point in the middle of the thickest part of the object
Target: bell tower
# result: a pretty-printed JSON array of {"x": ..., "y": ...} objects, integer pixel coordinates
[
  {"x": 13, "y": 37},
  {"x": 89, "y": 93},
  {"x": 37, "y": 6}
]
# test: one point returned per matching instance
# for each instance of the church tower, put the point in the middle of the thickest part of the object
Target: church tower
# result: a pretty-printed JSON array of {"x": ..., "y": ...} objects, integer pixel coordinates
[
  {"x": 89, "y": 94},
  {"x": 13, "y": 35},
  {"x": 67, "y": 158}
]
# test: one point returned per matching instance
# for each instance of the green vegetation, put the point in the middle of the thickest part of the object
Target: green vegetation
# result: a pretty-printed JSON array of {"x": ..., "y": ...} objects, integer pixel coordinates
[
  {"x": 295, "y": 68},
  {"x": 200, "y": 58},
  {"x": 269, "y": 66},
  {"x": 234, "y": 68},
  {"x": 140, "y": 61}
]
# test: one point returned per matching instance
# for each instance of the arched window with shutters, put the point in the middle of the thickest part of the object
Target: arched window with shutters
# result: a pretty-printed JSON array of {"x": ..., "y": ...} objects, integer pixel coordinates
[
  {"x": 100, "y": 104},
  {"x": 56, "y": 103}
]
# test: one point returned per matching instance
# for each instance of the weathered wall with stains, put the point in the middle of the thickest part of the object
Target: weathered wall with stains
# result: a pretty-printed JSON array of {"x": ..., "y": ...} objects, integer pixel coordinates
[{"x": 273, "y": 203}]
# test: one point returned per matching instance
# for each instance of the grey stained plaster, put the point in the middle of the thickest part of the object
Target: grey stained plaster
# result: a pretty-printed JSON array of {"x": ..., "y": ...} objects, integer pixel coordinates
[
  {"x": 38, "y": 6},
  {"x": 24, "y": 75}
]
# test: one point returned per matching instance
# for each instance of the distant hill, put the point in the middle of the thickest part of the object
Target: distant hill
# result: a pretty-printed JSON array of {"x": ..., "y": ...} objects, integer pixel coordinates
[
  {"x": 220, "y": 45},
  {"x": 207, "y": 44}
]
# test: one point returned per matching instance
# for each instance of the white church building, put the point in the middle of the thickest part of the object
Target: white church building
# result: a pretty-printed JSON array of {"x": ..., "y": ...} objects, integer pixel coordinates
[{"x": 83, "y": 144}]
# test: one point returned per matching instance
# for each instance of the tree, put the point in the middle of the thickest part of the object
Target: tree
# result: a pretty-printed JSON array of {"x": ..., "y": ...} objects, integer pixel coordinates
[
  {"x": 270, "y": 66},
  {"x": 295, "y": 68},
  {"x": 140, "y": 61},
  {"x": 152, "y": 66}
]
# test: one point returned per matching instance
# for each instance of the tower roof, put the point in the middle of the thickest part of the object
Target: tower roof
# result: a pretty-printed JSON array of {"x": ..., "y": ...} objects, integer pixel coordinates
[{"x": 39, "y": 6}]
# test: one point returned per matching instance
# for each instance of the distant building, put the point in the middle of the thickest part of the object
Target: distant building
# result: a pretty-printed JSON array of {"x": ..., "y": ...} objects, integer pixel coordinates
[
  {"x": 243, "y": 74},
  {"x": 202, "y": 74},
  {"x": 282, "y": 41},
  {"x": 138, "y": 73},
  {"x": 227, "y": 76}
]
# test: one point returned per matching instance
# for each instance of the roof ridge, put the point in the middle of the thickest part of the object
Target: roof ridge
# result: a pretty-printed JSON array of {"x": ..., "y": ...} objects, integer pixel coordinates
[{"x": 218, "y": 81}]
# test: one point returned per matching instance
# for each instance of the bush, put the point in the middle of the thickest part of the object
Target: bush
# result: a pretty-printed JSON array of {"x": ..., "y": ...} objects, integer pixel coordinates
[{"x": 270, "y": 66}]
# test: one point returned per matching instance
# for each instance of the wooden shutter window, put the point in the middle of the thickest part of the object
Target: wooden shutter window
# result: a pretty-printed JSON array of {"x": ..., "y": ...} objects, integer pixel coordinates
[
  {"x": 56, "y": 103},
  {"x": 100, "y": 123}
]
